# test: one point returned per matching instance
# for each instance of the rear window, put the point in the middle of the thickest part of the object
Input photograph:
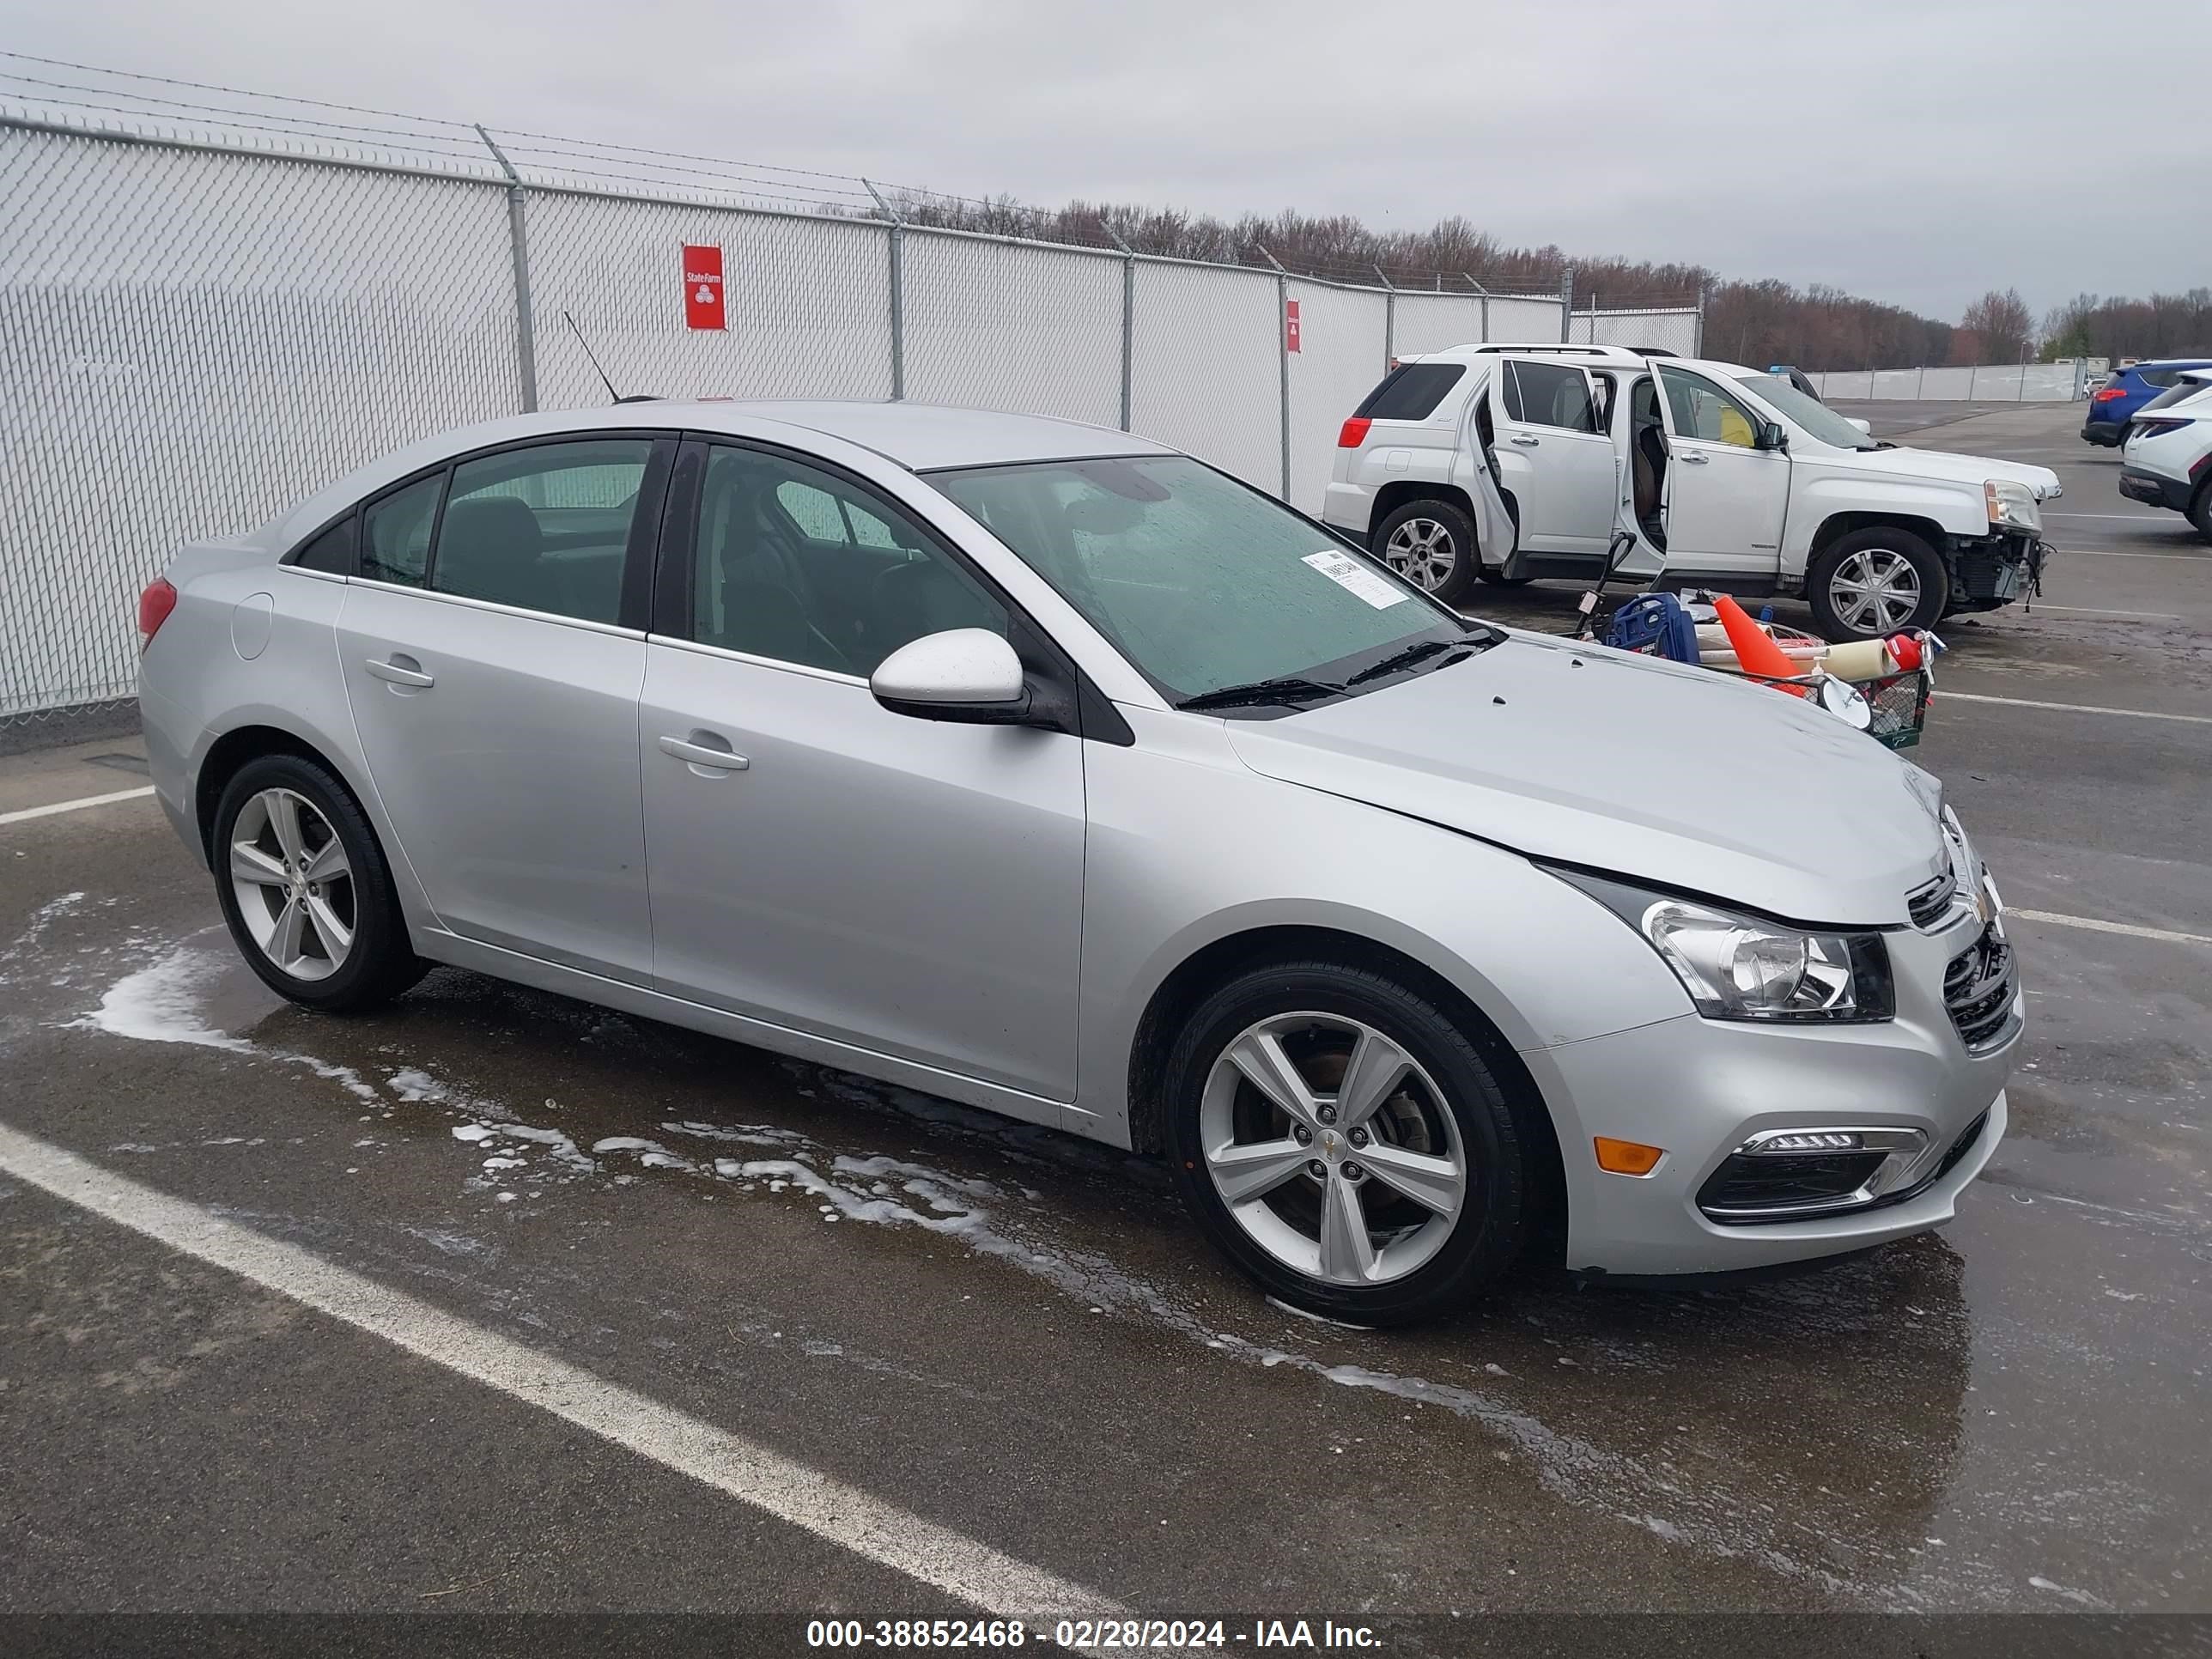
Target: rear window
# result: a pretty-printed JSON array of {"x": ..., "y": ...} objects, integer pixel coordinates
[
  {"x": 2159, "y": 377},
  {"x": 1410, "y": 391}
]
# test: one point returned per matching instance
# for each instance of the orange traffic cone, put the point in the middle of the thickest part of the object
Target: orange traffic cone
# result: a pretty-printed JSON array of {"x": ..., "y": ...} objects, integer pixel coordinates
[{"x": 1755, "y": 650}]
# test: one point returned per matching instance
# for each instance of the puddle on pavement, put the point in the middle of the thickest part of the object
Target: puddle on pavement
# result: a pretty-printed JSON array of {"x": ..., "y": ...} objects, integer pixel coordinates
[{"x": 1810, "y": 1424}]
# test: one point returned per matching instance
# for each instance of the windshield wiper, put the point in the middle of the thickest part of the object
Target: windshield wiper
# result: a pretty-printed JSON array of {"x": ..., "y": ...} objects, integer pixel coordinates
[
  {"x": 1418, "y": 651},
  {"x": 1289, "y": 689}
]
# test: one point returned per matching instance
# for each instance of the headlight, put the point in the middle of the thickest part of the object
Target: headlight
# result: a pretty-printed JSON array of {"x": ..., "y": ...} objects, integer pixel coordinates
[
  {"x": 1744, "y": 967},
  {"x": 2011, "y": 503}
]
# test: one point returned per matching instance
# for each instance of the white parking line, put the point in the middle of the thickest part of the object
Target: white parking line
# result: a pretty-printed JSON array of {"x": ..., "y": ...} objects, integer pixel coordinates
[
  {"x": 2121, "y": 553},
  {"x": 77, "y": 805},
  {"x": 2073, "y": 707},
  {"x": 2117, "y": 518},
  {"x": 846, "y": 1515},
  {"x": 2087, "y": 611},
  {"x": 2096, "y": 926}
]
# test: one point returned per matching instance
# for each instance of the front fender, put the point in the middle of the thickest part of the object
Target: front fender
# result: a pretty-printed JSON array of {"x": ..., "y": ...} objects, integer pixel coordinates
[{"x": 1950, "y": 508}]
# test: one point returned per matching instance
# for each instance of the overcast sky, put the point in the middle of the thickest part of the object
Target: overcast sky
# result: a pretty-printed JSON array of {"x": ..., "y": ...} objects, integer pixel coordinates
[{"x": 1916, "y": 151}]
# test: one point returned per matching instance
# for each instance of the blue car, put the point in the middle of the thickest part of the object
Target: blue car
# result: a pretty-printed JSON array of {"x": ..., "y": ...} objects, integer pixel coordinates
[{"x": 2114, "y": 404}]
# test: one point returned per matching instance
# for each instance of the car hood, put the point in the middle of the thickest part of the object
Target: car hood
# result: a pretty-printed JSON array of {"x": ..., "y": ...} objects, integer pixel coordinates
[
  {"x": 1904, "y": 462},
  {"x": 1681, "y": 776}
]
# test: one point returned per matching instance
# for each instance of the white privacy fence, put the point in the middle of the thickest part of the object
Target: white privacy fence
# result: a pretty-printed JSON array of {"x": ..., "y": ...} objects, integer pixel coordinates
[
  {"x": 193, "y": 336},
  {"x": 2032, "y": 383},
  {"x": 1678, "y": 329}
]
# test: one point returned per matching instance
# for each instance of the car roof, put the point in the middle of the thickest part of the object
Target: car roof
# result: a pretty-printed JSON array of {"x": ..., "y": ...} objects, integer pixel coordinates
[{"x": 917, "y": 436}]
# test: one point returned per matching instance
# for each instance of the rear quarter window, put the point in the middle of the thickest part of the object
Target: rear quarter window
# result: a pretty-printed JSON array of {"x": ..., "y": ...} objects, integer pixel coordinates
[
  {"x": 331, "y": 551},
  {"x": 1410, "y": 391}
]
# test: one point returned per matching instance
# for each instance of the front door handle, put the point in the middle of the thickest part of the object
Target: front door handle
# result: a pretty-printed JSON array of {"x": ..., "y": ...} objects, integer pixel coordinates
[
  {"x": 401, "y": 671},
  {"x": 722, "y": 759},
  {"x": 1525, "y": 441},
  {"x": 1691, "y": 458}
]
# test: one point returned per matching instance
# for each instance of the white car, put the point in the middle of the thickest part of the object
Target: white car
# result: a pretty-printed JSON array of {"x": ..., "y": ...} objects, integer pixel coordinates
[
  {"x": 1518, "y": 462},
  {"x": 2166, "y": 460}
]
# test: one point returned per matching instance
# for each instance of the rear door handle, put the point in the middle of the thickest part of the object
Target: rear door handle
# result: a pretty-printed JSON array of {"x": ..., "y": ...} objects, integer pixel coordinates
[
  {"x": 722, "y": 759},
  {"x": 1525, "y": 441},
  {"x": 401, "y": 671},
  {"x": 1691, "y": 458}
]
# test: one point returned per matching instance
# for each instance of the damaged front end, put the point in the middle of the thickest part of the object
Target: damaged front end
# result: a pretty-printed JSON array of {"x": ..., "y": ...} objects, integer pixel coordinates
[{"x": 1988, "y": 572}]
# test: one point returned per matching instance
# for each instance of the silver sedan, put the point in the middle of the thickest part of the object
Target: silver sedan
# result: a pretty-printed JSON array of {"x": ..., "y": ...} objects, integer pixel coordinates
[{"x": 1045, "y": 768}]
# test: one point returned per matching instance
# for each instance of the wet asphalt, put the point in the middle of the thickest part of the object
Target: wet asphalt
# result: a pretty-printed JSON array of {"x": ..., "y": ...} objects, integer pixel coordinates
[{"x": 1019, "y": 1335}]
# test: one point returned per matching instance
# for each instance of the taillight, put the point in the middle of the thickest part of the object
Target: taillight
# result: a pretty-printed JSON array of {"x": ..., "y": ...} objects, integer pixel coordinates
[
  {"x": 155, "y": 601},
  {"x": 2155, "y": 426},
  {"x": 2108, "y": 394},
  {"x": 1354, "y": 433}
]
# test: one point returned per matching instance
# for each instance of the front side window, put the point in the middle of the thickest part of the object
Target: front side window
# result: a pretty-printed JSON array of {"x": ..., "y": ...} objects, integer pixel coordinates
[
  {"x": 545, "y": 528},
  {"x": 1202, "y": 583},
  {"x": 801, "y": 566},
  {"x": 396, "y": 532},
  {"x": 1549, "y": 394},
  {"x": 1702, "y": 410},
  {"x": 1817, "y": 420}
]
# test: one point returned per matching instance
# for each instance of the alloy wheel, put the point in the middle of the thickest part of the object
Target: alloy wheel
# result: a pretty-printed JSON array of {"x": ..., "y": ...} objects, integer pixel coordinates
[
  {"x": 294, "y": 884},
  {"x": 1421, "y": 551},
  {"x": 1875, "y": 590},
  {"x": 1333, "y": 1148}
]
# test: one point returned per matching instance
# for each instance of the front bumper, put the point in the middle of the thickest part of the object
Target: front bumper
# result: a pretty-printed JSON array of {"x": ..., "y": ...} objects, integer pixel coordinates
[
  {"x": 2154, "y": 487},
  {"x": 1704, "y": 1088},
  {"x": 1988, "y": 572}
]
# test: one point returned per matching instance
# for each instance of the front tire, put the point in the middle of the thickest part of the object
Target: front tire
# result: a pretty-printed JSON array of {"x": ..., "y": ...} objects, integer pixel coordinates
[
  {"x": 1431, "y": 544},
  {"x": 305, "y": 889},
  {"x": 2200, "y": 510},
  {"x": 1341, "y": 1141},
  {"x": 1871, "y": 583}
]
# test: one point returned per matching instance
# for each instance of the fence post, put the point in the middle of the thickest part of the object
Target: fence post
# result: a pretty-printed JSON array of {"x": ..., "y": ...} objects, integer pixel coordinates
[
  {"x": 518, "y": 244},
  {"x": 1698, "y": 339},
  {"x": 1389, "y": 318},
  {"x": 1128, "y": 317},
  {"x": 1485, "y": 293},
  {"x": 1283, "y": 354},
  {"x": 1566, "y": 305},
  {"x": 898, "y": 233},
  {"x": 1920, "y": 385}
]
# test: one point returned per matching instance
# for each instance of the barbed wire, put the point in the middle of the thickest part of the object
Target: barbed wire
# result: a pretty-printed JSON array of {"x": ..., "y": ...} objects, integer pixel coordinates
[{"x": 115, "y": 102}]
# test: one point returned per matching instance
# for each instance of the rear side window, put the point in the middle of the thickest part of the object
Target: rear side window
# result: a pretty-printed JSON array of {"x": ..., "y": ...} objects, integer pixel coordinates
[
  {"x": 1550, "y": 394},
  {"x": 1410, "y": 391},
  {"x": 545, "y": 528},
  {"x": 2159, "y": 377},
  {"x": 396, "y": 532},
  {"x": 331, "y": 551}
]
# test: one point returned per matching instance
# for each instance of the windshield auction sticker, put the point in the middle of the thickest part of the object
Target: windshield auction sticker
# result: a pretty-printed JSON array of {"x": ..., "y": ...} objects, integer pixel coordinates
[{"x": 1355, "y": 578}]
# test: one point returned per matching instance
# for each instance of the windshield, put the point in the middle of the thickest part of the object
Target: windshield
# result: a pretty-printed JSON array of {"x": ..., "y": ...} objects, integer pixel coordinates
[
  {"x": 1817, "y": 420},
  {"x": 1203, "y": 583}
]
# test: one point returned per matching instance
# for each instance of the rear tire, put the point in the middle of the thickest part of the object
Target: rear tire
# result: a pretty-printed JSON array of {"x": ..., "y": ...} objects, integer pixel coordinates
[
  {"x": 1431, "y": 544},
  {"x": 1869, "y": 584},
  {"x": 1423, "y": 1197},
  {"x": 305, "y": 889}
]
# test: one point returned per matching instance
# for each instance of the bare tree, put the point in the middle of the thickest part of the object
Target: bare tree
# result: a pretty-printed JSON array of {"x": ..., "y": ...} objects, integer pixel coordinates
[{"x": 2004, "y": 323}]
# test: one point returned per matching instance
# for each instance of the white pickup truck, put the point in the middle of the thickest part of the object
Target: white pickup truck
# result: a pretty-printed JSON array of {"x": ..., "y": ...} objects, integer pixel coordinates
[{"x": 1518, "y": 462}]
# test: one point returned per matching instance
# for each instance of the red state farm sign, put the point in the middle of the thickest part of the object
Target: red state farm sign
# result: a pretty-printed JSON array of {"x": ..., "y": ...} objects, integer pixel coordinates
[
  {"x": 1290, "y": 326},
  {"x": 702, "y": 287}
]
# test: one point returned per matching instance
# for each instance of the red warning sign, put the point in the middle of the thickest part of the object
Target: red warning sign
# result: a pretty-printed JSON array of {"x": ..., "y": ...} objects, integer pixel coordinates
[
  {"x": 1291, "y": 325},
  {"x": 702, "y": 287}
]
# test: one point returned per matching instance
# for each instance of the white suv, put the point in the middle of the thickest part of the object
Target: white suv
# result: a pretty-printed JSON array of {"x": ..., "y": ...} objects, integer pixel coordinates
[
  {"x": 1516, "y": 462},
  {"x": 2166, "y": 457}
]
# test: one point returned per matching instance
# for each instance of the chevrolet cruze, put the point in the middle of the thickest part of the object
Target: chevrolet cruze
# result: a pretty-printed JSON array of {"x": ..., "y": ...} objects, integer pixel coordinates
[{"x": 1045, "y": 768}]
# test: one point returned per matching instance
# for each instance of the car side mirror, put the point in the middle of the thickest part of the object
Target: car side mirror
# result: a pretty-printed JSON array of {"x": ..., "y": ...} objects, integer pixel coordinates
[
  {"x": 1771, "y": 436},
  {"x": 967, "y": 675},
  {"x": 1866, "y": 427}
]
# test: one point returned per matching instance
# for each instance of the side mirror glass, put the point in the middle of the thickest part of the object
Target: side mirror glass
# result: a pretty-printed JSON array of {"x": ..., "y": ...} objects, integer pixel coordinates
[
  {"x": 968, "y": 675},
  {"x": 1771, "y": 436}
]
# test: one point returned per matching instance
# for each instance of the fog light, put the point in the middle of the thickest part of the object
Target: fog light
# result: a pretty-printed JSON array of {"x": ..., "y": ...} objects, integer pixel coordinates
[{"x": 1626, "y": 1157}]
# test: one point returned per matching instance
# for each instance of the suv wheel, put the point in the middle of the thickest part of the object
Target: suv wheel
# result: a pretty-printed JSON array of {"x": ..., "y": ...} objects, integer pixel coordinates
[
  {"x": 1342, "y": 1141},
  {"x": 1869, "y": 584},
  {"x": 1432, "y": 545},
  {"x": 2200, "y": 510},
  {"x": 305, "y": 889}
]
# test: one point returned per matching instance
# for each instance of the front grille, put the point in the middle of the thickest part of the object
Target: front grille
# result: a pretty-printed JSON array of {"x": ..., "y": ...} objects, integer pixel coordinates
[
  {"x": 1978, "y": 990},
  {"x": 1929, "y": 904}
]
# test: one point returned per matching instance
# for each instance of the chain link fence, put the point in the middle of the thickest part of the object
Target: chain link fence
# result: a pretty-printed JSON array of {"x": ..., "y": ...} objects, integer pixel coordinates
[
  {"x": 195, "y": 332},
  {"x": 1678, "y": 329}
]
